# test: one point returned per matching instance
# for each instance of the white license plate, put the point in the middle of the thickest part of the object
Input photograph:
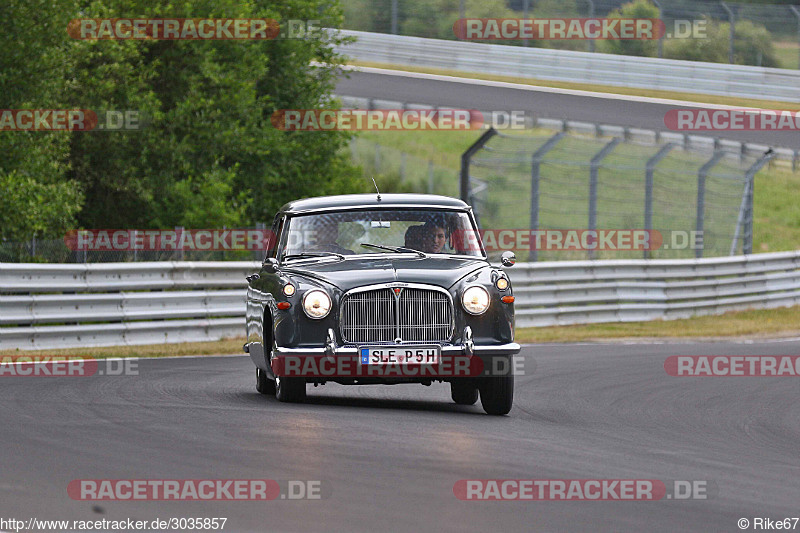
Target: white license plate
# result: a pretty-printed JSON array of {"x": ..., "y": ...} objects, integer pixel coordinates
[{"x": 403, "y": 355}]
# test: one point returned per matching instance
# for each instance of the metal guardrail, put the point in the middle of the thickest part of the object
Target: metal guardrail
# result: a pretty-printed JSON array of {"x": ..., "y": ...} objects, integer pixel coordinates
[
  {"x": 581, "y": 67},
  {"x": 45, "y": 306},
  {"x": 581, "y": 292},
  {"x": 105, "y": 304}
]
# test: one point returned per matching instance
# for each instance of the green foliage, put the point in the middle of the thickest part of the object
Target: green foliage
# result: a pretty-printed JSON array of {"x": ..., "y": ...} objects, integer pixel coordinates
[
  {"x": 636, "y": 9},
  {"x": 752, "y": 45}
]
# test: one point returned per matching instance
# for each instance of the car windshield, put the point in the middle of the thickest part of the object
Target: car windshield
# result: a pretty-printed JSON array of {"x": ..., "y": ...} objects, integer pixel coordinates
[{"x": 420, "y": 232}]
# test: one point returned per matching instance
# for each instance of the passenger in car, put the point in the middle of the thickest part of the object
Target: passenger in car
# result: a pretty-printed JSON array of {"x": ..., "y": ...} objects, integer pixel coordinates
[{"x": 415, "y": 238}]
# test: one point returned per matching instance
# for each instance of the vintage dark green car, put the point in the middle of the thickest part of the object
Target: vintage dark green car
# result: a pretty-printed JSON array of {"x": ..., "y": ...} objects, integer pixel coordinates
[{"x": 382, "y": 289}]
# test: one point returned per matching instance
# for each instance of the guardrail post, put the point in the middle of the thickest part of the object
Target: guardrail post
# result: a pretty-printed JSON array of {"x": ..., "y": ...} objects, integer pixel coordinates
[
  {"x": 594, "y": 170},
  {"x": 732, "y": 20},
  {"x": 701, "y": 198},
  {"x": 648, "y": 188},
  {"x": 394, "y": 17},
  {"x": 467, "y": 156},
  {"x": 536, "y": 161}
]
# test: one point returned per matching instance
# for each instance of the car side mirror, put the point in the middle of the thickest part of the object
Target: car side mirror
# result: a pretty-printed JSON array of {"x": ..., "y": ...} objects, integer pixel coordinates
[
  {"x": 508, "y": 259},
  {"x": 270, "y": 265}
]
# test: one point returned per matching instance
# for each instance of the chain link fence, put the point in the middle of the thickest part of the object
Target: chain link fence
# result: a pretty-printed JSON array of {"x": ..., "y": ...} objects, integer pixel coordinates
[{"x": 693, "y": 201}]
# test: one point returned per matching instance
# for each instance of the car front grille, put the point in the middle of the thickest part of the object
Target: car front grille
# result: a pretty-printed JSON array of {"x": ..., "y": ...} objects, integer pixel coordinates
[{"x": 378, "y": 316}]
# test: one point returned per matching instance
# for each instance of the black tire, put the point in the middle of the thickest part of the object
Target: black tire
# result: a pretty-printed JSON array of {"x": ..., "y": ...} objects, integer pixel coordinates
[
  {"x": 464, "y": 392},
  {"x": 497, "y": 394},
  {"x": 264, "y": 385},
  {"x": 291, "y": 390}
]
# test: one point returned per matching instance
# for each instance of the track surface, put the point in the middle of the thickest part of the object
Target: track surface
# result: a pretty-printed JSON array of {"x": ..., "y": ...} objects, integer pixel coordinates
[
  {"x": 389, "y": 456},
  {"x": 538, "y": 103}
]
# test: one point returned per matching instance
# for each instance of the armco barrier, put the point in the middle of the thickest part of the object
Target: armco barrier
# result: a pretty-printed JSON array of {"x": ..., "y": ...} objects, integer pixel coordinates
[
  {"x": 103, "y": 304},
  {"x": 581, "y": 67}
]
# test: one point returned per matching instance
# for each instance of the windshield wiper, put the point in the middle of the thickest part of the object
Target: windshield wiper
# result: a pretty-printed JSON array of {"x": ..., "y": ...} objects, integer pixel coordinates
[
  {"x": 314, "y": 254},
  {"x": 399, "y": 249}
]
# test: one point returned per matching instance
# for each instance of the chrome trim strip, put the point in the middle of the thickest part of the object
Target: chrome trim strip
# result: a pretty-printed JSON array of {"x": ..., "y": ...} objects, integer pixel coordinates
[{"x": 455, "y": 349}]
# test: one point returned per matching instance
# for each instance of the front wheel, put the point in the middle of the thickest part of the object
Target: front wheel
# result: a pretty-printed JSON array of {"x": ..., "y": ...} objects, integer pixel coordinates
[
  {"x": 464, "y": 393},
  {"x": 291, "y": 390},
  {"x": 264, "y": 385},
  {"x": 497, "y": 394}
]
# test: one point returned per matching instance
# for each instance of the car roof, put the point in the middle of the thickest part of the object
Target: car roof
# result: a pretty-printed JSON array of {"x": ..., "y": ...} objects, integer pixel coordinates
[{"x": 360, "y": 201}]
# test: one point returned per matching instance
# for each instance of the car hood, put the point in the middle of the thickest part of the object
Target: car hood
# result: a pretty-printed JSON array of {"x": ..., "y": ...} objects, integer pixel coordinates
[{"x": 351, "y": 273}]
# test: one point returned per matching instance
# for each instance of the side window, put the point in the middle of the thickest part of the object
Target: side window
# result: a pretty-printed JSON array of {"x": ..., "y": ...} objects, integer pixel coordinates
[{"x": 274, "y": 239}]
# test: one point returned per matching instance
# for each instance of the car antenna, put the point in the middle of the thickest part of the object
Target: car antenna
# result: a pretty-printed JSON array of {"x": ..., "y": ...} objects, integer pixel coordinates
[{"x": 376, "y": 188}]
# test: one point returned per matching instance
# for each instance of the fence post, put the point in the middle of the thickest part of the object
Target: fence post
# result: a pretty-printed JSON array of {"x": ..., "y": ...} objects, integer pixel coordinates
[
  {"x": 179, "y": 233},
  {"x": 430, "y": 176},
  {"x": 262, "y": 228},
  {"x": 536, "y": 161},
  {"x": 591, "y": 16},
  {"x": 402, "y": 167},
  {"x": 648, "y": 189},
  {"x": 745, "y": 218},
  {"x": 593, "y": 178},
  {"x": 465, "y": 161},
  {"x": 660, "y": 39},
  {"x": 377, "y": 158},
  {"x": 525, "y": 7},
  {"x": 394, "y": 17},
  {"x": 701, "y": 198},
  {"x": 732, "y": 20}
]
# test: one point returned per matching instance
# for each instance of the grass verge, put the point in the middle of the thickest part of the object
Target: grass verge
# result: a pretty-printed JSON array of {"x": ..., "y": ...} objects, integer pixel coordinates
[
  {"x": 610, "y": 89},
  {"x": 225, "y": 346}
]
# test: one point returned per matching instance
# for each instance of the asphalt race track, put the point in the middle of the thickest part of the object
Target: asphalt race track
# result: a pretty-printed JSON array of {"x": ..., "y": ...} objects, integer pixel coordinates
[
  {"x": 623, "y": 111},
  {"x": 388, "y": 456}
]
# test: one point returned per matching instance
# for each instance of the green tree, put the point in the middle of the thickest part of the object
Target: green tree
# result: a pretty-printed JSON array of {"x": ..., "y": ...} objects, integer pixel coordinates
[
  {"x": 35, "y": 196},
  {"x": 636, "y": 47}
]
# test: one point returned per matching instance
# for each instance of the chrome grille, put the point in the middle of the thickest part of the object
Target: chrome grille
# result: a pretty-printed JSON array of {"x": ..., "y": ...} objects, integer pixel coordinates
[{"x": 418, "y": 315}]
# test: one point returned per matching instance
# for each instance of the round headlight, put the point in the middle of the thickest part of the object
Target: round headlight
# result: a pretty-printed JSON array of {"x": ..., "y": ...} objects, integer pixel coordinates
[
  {"x": 501, "y": 284},
  {"x": 475, "y": 300},
  {"x": 288, "y": 289},
  {"x": 317, "y": 304}
]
